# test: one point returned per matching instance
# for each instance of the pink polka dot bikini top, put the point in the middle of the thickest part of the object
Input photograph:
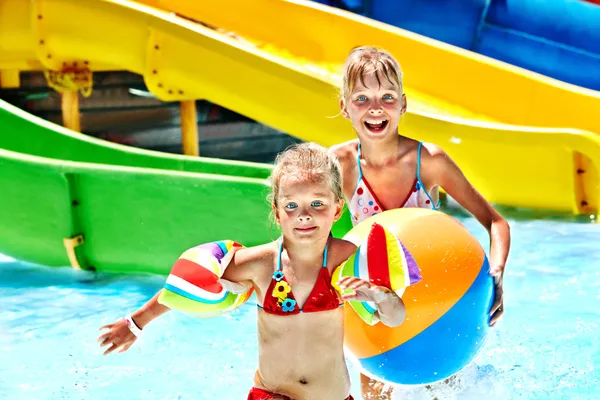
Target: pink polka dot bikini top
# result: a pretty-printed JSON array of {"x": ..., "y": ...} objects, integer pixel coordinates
[{"x": 364, "y": 202}]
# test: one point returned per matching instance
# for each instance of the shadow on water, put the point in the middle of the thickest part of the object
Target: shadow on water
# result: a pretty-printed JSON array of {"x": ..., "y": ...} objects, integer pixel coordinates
[{"x": 15, "y": 274}]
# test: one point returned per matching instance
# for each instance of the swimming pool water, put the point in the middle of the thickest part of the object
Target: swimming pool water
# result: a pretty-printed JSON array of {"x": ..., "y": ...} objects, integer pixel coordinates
[{"x": 546, "y": 347}]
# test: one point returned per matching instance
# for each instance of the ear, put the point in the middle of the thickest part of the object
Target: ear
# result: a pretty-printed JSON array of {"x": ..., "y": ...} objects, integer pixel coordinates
[
  {"x": 275, "y": 212},
  {"x": 339, "y": 209},
  {"x": 343, "y": 108},
  {"x": 404, "y": 104}
]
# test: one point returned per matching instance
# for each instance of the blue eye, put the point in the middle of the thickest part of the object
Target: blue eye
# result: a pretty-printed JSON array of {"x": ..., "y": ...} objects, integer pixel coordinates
[
  {"x": 316, "y": 203},
  {"x": 361, "y": 98},
  {"x": 291, "y": 206},
  {"x": 388, "y": 97}
]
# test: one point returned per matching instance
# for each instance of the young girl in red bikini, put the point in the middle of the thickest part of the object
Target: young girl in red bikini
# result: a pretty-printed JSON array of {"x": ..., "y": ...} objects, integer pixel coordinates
[
  {"x": 300, "y": 321},
  {"x": 383, "y": 170}
]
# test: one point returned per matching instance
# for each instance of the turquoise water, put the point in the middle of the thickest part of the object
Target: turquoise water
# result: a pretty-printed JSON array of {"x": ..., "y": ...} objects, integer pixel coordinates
[{"x": 546, "y": 347}]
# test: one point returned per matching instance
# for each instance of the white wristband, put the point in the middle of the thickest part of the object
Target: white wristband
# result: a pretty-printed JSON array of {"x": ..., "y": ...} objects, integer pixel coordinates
[{"x": 132, "y": 326}]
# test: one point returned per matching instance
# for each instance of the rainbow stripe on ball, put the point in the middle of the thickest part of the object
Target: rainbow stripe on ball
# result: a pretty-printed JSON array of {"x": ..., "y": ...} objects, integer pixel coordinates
[
  {"x": 383, "y": 260},
  {"x": 194, "y": 285}
]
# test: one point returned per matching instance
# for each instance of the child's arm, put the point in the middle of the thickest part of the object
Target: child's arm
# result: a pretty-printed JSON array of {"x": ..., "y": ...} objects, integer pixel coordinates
[
  {"x": 449, "y": 176},
  {"x": 390, "y": 307},
  {"x": 245, "y": 264},
  {"x": 345, "y": 153},
  {"x": 121, "y": 336}
]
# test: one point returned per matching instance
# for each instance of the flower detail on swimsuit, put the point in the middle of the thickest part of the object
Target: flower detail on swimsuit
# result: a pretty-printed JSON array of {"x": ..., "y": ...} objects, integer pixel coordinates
[
  {"x": 288, "y": 305},
  {"x": 281, "y": 290},
  {"x": 278, "y": 275}
]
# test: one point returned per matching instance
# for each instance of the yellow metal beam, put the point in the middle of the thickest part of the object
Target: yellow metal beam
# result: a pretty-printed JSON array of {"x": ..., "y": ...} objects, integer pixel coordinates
[
  {"x": 70, "y": 245},
  {"x": 70, "y": 110},
  {"x": 10, "y": 79},
  {"x": 189, "y": 128}
]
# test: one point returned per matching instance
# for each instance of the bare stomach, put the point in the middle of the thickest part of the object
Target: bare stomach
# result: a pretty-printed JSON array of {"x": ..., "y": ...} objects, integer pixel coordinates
[{"x": 302, "y": 356}]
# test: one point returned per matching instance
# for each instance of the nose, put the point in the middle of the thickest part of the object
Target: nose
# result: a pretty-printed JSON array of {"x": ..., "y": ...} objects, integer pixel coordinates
[
  {"x": 376, "y": 110},
  {"x": 304, "y": 215}
]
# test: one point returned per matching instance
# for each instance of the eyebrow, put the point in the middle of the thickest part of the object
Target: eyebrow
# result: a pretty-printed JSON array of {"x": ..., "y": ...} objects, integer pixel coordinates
[
  {"x": 320, "y": 194},
  {"x": 388, "y": 86}
]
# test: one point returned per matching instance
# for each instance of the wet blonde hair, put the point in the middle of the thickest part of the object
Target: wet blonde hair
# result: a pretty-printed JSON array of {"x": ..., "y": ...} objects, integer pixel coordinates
[
  {"x": 367, "y": 59},
  {"x": 306, "y": 161}
]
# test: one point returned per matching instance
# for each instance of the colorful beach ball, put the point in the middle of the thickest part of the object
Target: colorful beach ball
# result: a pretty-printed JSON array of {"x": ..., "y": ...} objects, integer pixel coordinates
[{"x": 447, "y": 312}]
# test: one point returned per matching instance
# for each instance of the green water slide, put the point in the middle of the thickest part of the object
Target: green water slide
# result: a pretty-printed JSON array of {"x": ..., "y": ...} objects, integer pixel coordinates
[{"x": 69, "y": 199}]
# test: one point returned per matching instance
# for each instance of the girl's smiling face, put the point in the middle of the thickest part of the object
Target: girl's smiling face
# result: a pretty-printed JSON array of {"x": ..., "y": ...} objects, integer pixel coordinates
[
  {"x": 306, "y": 208},
  {"x": 374, "y": 106}
]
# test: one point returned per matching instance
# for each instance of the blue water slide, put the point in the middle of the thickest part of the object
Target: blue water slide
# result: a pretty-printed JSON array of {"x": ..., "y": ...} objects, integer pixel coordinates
[{"x": 557, "y": 38}]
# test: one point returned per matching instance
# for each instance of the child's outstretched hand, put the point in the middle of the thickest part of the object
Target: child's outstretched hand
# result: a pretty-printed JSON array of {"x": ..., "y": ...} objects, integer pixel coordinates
[
  {"x": 362, "y": 290},
  {"x": 497, "y": 309},
  {"x": 390, "y": 308},
  {"x": 118, "y": 336}
]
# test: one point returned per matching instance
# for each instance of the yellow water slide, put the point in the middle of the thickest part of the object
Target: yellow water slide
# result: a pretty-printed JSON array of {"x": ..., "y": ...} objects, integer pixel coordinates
[
  {"x": 281, "y": 71},
  {"x": 440, "y": 79}
]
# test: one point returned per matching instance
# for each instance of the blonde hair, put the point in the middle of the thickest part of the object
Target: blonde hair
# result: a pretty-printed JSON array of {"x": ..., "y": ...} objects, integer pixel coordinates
[
  {"x": 308, "y": 161},
  {"x": 367, "y": 59}
]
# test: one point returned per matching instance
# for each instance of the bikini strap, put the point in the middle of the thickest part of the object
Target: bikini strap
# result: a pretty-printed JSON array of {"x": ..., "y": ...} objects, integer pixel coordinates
[
  {"x": 358, "y": 165},
  {"x": 281, "y": 251},
  {"x": 419, "y": 161},
  {"x": 279, "y": 256}
]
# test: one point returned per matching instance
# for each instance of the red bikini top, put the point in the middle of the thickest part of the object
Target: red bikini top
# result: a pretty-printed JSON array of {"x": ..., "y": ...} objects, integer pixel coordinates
[{"x": 280, "y": 300}]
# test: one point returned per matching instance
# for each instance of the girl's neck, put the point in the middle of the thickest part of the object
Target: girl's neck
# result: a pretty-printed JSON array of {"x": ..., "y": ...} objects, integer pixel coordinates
[
  {"x": 304, "y": 255},
  {"x": 381, "y": 153}
]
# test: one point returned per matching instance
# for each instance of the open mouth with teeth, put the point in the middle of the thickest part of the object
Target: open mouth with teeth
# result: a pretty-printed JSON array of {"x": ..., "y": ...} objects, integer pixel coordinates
[{"x": 376, "y": 126}]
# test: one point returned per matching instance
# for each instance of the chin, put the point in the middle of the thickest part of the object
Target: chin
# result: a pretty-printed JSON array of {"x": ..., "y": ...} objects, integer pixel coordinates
[
  {"x": 313, "y": 236},
  {"x": 306, "y": 236},
  {"x": 386, "y": 133}
]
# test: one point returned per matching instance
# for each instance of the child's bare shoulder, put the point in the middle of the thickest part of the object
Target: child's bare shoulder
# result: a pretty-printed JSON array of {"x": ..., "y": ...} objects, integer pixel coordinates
[
  {"x": 433, "y": 157},
  {"x": 437, "y": 166},
  {"x": 256, "y": 256},
  {"x": 340, "y": 251},
  {"x": 432, "y": 150},
  {"x": 249, "y": 263},
  {"x": 345, "y": 151}
]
